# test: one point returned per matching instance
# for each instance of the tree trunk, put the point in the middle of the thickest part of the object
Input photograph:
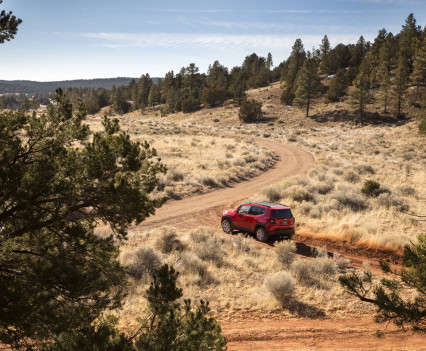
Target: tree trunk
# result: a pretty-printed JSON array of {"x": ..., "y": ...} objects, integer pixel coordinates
[{"x": 307, "y": 108}]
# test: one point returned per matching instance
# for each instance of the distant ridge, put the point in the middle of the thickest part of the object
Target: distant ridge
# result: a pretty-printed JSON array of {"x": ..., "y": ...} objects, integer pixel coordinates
[{"x": 42, "y": 88}]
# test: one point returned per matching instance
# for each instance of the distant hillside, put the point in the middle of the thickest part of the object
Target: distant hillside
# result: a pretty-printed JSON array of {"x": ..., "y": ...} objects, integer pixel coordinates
[{"x": 33, "y": 87}]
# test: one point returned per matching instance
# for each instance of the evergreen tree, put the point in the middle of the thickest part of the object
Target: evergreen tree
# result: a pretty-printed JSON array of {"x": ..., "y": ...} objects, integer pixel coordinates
[
  {"x": 295, "y": 62},
  {"x": 418, "y": 77},
  {"x": 360, "y": 96},
  {"x": 56, "y": 184},
  {"x": 337, "y": 87},
  {"x": 217, "y": 76},
  {"x": 324, "y": 47},
  {"x": 8, "y": 25},
  {"x": 387, "y": 297},
  {"x": 400, "y": 83},
  {"x": 269, "y": 62},
  {"x": 308, "y": 84},
  {"x": 385, "y": 86}
]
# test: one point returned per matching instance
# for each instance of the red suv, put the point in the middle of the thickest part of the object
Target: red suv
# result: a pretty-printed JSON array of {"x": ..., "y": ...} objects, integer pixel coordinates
[{"x": 263, "y": 219}]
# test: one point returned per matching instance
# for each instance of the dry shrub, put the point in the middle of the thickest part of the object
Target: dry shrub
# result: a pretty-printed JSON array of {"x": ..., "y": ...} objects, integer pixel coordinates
[
  {"x": 175, "y": 175},
  {"x": 406, "y": 190},
  {"x": 341, "y": 262},
  {"x": 193, "y": 265},
  {"x": 319, "y": 251},
  {"x": 314, "y": 272},
  {"x": 209, "y": 250},
  {"x": 298, "y": 193},
  {"x": 142, "y": 261},
  {"x": 207, "y": 181},
  {"x": 351, "y": 176},
  {"x": 201, "y": 234},
  {"x": 168, "y": 241},
  {"x": 272, "y": 193},
  {"x": 285, "y": 252},
  {"x": 388, "y": 200},
  {"x": 281, "y": 285},
  {"x": 321, "y": 187},
  {"x": 245, "y": 245},
  {"x": 350, "y": 197},
  {"x": 364, "y": 168}
]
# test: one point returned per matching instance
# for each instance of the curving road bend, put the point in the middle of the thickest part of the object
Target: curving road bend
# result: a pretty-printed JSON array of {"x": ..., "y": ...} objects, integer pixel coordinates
[{"x": 206, "y": 208}]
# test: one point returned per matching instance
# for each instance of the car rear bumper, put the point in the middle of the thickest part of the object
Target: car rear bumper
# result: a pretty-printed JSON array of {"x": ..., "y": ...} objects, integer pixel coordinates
[{"x": 288, "y": 233}]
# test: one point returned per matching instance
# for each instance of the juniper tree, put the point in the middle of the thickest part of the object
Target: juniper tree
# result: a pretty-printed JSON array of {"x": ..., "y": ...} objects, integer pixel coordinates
[{"x": 295, "y": 63}]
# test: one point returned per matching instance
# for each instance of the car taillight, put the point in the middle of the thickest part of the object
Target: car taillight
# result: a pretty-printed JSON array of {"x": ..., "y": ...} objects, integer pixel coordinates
[{"x": 271, "y": 220}]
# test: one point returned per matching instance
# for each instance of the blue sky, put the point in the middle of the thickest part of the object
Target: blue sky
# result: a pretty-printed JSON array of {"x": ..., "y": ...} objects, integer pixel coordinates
[{"x": 72, "y": 39}]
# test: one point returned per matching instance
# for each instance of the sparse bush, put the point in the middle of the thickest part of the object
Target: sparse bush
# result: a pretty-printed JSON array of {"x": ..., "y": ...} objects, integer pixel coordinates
[
  {"x": 209, "y": 251},
  {"x": 170, "y": 192},
  {"x": 201, "y": 234},
  {"x": 341, "y": 262},
  {"x": 285, "y": 251},
  {"x": 349, "y": 197},
  {"x": 208, "y": 181},
  {"x": 312, "y": 272},
  {"x": 389, "y": 200},
  {"x": 406, "y": 190},
  {"x": 250, "y": 110},
  {"x": 272, "y": 193},
  {"x": 281, "y": 285},
  {"x": 168, "y": 241},
  {"x": 175, "y": 175},
  {"x": 321, "y": 188},
  {"x": 319, "y": 252},
  {"x": 371, "y": 188},
  {"x": 142, "y": 261},
  {"x": 364, "y": 168},
  {"x": 351, "y": 176},
  {"x": 193, "y": 265},
  {"x": 298, "y": 193},
  {"x": 245, "y": 245}
]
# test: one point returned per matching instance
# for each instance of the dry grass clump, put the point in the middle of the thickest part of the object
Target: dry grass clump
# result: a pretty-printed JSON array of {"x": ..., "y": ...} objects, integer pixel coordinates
[
  {"x": 141, "y": 262},
  {"x": 246, "y": 245},
  {"x": 298, "y": 193},
  {"x": 201, "y": 234},
  {"x": 285, "y": 252},
  {"x": 281, "y": 285},
  {"x": 350, "y": 197},
  {"x": 316, "y": 272},
  {"x": 168, "y": 241},
  {"x": 406, "y": 190},
  {"x": 351, "y": 176},
  {"x": 193, "y": 265},
  {"x": 272, "y": 193}
]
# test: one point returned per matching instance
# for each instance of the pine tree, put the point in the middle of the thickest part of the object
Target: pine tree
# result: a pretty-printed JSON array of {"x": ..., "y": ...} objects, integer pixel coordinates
[
  {"x": 308, "y": 84},
  {"x": 337, "y": 87},
  {"x": 400, "y": 83},
  {"x": 324, "y": 47},
  {"x": 360, "y": 96},
  {"x": 295, "y": 62},
  {"x": 385, "y": 86},
  {"x": 8, "y": 25},
  {"x": 269, "y": 62},
  {"x": 418, "y": 77},
  {"x": 387, "y": 297}
]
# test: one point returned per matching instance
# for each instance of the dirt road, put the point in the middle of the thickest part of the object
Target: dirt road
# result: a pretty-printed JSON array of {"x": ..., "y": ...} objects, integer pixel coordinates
[
  {"x": 282, "y": 334},
  {"x": 207, "y": 207}
]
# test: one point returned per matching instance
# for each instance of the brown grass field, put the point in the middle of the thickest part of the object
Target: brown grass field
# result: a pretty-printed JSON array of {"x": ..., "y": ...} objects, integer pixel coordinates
[{"x": 211, "y": 149}]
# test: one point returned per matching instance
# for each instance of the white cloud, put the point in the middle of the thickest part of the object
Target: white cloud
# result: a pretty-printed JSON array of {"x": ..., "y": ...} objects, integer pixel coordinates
[{"x": 182, "y": 40}]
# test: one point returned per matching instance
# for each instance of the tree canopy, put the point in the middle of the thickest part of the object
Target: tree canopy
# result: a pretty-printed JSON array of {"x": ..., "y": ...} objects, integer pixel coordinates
[
  {"x": 8, "y": 25},
  {"x": 57, "y": 182}
]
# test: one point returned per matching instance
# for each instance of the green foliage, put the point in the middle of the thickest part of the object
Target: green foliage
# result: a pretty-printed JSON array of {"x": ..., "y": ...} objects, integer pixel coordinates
[
  {"x": 387, "y": 296},
  {"x": 172, "y": 327},
  {"x": 190, "y": 104},
  {"x": 308, "y": 84},
  {"x": 8, "y": 25},
  {"x": 294, "y": 65},
  {"x": 337, "y": 87},
  {"x": 250, "y": 110},
  {"x": 57, "y": 181},
  {"x": 360, "y": 97},
  {"x": 371, "y": 188},
  {"x": 214, "y": 96}
]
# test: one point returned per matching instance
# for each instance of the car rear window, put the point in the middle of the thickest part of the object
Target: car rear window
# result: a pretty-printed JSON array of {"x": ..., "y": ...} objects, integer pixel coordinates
[{"x": 281, "y": 213}]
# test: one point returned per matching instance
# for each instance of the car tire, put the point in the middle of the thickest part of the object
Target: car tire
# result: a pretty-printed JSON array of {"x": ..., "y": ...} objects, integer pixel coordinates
[
  {"x": 260, "y": 234},
  {"x": 227, "y": 226}
]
